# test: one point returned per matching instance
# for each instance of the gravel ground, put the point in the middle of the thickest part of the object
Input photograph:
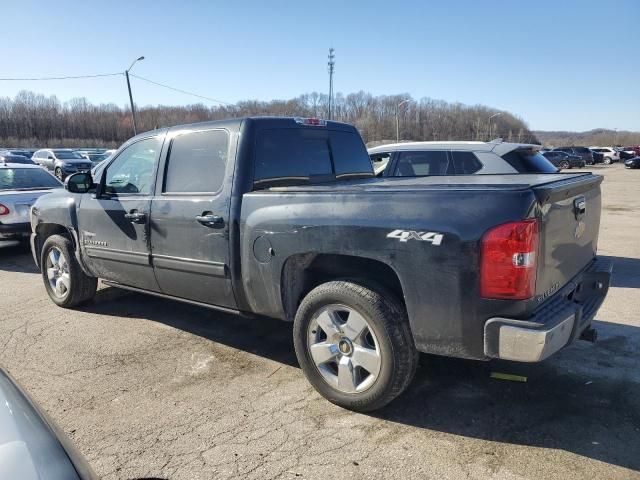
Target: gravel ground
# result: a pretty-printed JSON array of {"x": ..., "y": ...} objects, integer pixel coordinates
[{"x": 152, "y": 388}]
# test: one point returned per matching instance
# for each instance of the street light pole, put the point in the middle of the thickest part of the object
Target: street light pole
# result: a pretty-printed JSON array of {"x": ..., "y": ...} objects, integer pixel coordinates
[
  {"x": 398, "y": 118},
  {"x": 133, "y": 109},
  {"x": 494, "y": 115}
]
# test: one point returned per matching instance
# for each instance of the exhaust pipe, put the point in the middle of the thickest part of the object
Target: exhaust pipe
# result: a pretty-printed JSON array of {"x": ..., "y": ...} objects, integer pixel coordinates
[{"x": 590, "y": 335}]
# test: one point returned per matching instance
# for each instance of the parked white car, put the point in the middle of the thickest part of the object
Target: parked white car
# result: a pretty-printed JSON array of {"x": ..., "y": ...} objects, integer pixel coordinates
[
  {"x": 610, "y": 155},
  {"x": 20, "y": 186},
  {"x": 458, "y": 158}
]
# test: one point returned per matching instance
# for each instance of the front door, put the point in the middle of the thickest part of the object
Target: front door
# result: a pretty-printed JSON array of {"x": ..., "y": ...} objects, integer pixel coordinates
[
  {"x": 114, "y": 223},
  {"x": 190, "y": 218}
]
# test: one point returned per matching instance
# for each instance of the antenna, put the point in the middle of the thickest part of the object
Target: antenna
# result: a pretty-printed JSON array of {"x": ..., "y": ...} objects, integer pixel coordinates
[{"x": 331, "y": 63}]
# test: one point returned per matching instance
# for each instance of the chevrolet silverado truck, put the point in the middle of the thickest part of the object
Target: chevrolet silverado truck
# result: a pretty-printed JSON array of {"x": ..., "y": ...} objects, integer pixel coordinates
[{"x": 284, "y": 218}]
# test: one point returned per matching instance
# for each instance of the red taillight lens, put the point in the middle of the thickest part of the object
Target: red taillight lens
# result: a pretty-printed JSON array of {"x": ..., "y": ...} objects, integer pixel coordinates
[
  {"x": 311, "y": 121},
  {"x": 4, "y": 210},
  {"x": 508, "y": 261}
]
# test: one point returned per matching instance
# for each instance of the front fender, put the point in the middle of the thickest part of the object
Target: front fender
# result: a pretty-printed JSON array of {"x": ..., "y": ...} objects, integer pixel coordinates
[{"x": 55, "y": 213}]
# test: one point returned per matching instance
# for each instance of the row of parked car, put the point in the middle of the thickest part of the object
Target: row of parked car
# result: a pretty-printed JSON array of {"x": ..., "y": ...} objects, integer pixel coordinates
[{"x": 62, "y": 162}]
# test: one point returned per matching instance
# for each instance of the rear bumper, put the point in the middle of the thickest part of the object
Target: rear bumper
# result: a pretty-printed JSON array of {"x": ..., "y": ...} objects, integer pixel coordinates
[
  {"x": 14, "y": 231},
  {"x": 555, "y": 324}
]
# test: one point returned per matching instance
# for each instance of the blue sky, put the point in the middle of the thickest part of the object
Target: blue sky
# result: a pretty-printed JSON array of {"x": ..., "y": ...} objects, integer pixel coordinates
[{"x": 560, "y": 65}]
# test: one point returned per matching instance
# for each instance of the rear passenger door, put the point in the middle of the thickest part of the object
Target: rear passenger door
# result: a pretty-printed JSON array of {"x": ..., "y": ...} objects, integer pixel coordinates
[{"x": 190, "y": 218}]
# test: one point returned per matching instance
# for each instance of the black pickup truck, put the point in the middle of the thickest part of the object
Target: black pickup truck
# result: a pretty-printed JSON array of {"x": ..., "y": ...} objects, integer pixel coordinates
[{"x": 284, "y": 218}]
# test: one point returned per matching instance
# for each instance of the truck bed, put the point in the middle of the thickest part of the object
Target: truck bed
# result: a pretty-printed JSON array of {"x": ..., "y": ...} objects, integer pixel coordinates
[{"x": 467, "y": 182}]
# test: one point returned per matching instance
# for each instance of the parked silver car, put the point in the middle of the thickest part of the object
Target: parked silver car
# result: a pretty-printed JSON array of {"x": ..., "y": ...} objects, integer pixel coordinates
[
  {"x": 62, "y": 161},
  {"x": 20, "y": 186}
]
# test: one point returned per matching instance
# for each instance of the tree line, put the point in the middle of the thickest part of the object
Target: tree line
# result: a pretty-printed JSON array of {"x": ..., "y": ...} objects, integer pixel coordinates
[{"x": 35, "y": 120}]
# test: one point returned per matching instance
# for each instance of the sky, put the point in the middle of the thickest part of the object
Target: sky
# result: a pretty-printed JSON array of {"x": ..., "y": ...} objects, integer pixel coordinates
[{"x": 559, "y": 65}]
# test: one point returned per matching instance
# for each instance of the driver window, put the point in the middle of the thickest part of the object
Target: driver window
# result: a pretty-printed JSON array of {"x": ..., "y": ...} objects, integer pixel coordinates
[{"x": 132, "y": 171}]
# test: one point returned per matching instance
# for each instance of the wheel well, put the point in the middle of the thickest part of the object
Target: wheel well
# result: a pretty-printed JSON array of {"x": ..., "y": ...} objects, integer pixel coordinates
[
  {"x": 45, "y": 230},
  {"x": 302, "y": 273}
]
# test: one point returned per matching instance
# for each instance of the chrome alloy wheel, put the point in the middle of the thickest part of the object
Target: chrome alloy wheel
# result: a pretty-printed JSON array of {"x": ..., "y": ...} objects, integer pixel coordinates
[
  {"x": 58, "y": 273},
  {"x": 344, "y": 348}
]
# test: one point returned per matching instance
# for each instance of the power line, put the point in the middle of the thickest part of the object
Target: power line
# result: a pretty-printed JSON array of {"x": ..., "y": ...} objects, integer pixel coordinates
[
  {"x": 60, "y": 78},
  {"x": 180, "y": 90}
]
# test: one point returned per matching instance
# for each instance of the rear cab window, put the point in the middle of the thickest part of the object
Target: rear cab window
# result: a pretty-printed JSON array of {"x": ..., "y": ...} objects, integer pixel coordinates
[
  {"x": 298, "y": 156},
  {"x": 529, "y": 161}
]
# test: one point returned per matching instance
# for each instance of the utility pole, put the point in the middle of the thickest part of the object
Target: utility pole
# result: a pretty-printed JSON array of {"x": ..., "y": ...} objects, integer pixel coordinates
[
  {"x": 133, "y": 110},
  {"x": 398, "y": 118},
  {"x": 492, "y": 116},
  {"x": 331, "y": 63}
]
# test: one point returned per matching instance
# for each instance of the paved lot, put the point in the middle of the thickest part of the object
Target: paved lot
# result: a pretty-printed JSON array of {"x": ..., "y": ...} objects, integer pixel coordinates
[{"x": 152, "y": 388}]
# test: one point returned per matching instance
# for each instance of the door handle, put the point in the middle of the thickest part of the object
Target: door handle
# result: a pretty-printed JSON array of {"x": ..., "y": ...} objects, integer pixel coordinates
[
  {"x": 136, "y": 217},
  {"x": 210, "y": 220}
]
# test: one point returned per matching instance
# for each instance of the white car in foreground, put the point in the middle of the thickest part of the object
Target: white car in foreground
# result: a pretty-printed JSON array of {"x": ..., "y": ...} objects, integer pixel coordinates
[
  {"x": 20, "y": 186},
  {"x": 609, "y": 154}
]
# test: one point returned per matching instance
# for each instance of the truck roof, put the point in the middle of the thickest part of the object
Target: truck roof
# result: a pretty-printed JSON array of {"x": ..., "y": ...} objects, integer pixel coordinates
[{"x": 263, "y": 121}]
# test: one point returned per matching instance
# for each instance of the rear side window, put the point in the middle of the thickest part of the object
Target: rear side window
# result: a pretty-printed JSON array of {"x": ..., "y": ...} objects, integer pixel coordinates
[
  {"x": 417, "y": 164},
  {"x": 299, "y": 155},
  {"x": 529, "y": 161},
  {"x": 197, "y": 162},
  {"x": 465, "y": 163}
]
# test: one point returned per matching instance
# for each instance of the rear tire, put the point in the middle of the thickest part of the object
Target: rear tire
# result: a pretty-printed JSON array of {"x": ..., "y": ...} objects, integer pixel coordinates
[
  {"x": 354, "y": 344},
  {"x": 67, "y": 285},
  {"x": 564, "y": 165},
  {"x": 58, "y": 173}
]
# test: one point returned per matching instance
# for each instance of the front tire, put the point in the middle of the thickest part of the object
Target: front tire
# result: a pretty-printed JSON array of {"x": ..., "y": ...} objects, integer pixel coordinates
[
  {"x": 67, "y": 285},
  {"x": 58, "y": 173},
  {"x": 354, "y": 345},
  {"x": 564, "y": 165},
  {"x": 607, "y": 160}
]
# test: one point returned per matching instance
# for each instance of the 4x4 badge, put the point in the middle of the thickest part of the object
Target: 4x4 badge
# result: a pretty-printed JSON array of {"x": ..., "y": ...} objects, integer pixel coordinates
[{"x": 406, "y": 235}]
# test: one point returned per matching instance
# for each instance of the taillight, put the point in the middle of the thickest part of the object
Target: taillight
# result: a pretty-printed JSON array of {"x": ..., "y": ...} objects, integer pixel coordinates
[
  {"x": 508, "y": 261},
  {"x": 316, "y": 122},
  {"x": 4, "y": 210}
]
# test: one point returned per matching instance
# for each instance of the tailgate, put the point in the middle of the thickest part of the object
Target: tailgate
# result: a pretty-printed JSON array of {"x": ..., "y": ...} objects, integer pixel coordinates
[{"x": 570, "y": 222}]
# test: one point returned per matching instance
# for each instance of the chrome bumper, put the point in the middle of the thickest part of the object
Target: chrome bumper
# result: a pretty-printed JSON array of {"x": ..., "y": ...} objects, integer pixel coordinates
[{"x": 557, "y": 323}]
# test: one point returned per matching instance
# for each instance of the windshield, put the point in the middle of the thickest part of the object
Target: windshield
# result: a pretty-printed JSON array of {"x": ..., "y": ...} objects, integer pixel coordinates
[
  {"x": 26, "y": 179},
  {"x": 68, "y": 155}
]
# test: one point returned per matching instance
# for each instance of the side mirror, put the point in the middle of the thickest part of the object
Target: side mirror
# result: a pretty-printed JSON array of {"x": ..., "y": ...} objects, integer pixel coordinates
[{"x": 80, "y": 182}]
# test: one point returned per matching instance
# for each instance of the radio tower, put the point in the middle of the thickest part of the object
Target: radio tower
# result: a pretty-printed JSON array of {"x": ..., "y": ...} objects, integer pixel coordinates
[{"x": 331, "y": 63}]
